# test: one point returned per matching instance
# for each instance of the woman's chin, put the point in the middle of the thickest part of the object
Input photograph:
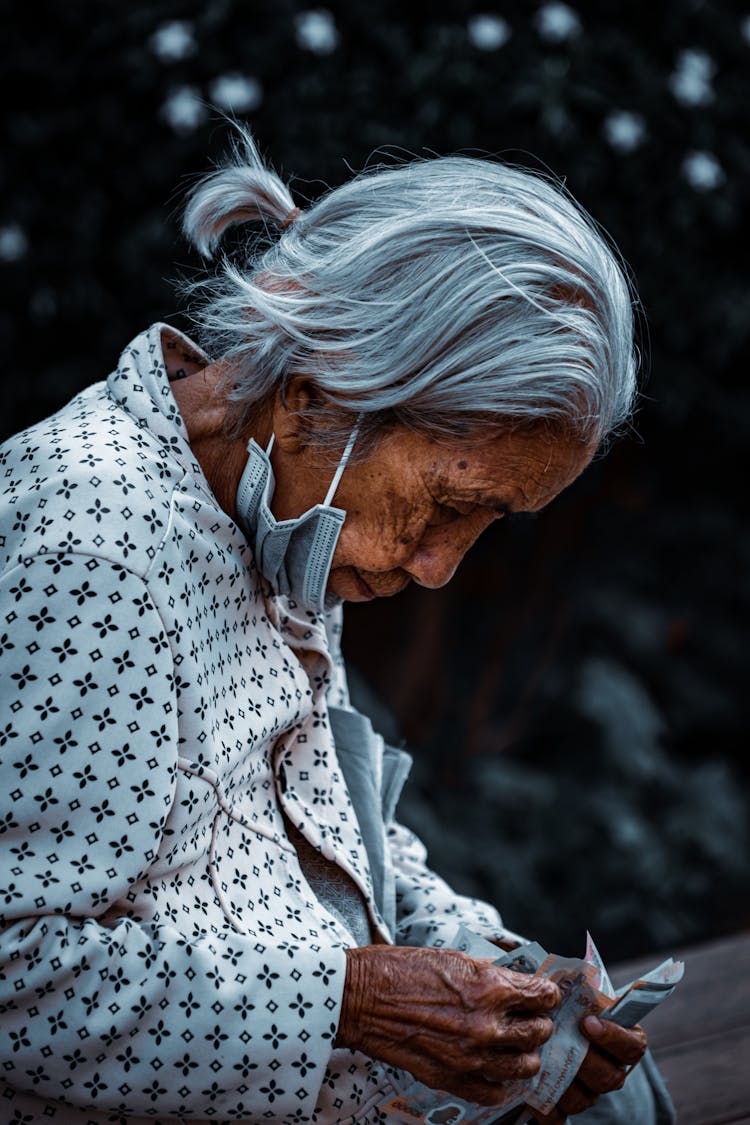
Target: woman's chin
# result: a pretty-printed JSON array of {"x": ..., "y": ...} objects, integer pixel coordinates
[{"x": 349, "y": 584}]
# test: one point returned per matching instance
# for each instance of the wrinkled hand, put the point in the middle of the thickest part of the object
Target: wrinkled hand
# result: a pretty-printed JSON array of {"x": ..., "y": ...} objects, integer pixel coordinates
[
  {"x": 455, "y": 1023},
  {"x": 612, "y": 1050}
]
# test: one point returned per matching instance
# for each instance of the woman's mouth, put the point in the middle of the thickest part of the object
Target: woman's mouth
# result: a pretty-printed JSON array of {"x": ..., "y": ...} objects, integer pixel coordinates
[
  {"x": 364, "y": 589},
  {"x": 395, "y": 586}
]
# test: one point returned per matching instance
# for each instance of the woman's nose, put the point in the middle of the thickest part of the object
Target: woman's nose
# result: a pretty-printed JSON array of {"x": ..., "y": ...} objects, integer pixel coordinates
[
  {"x": 434, "y": 562},
  {"x": 436, "y": 557},
  {"x": 432, "y": 569}
]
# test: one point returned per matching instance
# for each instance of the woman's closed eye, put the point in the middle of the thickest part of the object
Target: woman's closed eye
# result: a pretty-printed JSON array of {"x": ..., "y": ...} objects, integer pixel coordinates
[{"x": 445, "y": 512}]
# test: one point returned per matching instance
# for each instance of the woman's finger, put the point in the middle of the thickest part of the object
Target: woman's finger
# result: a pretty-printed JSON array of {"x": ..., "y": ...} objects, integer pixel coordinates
[
  {"x": 625, "y": 1044},
  {"x": 576, "y": 1098},
  {"x": 508, "y": 1067},
  {"x": 520, "y": 1033},
  {"x": 491, "y": 1088},
  {"x": 532, "y": 994},
  {"x": 600, "y": 1073},
  {"x": 476, "y": 1088},
  {"x": 554, "y": 1117}
]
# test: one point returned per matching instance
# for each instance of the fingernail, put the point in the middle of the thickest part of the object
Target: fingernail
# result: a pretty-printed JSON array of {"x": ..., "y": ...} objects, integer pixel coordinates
[{"x": 593, "y": 1025}]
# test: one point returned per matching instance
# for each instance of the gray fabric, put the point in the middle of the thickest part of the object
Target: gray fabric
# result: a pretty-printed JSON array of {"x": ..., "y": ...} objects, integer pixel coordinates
[
  {"x": 374, "y": 799},
  {"x": 396, "y": 768},
  {"x": 332, "y": 887}
]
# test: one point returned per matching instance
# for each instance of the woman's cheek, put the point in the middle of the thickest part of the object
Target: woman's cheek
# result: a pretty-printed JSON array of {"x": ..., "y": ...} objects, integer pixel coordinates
[
  {"x": 360, "y": 548},
  {"x": 377, "y": 544}
]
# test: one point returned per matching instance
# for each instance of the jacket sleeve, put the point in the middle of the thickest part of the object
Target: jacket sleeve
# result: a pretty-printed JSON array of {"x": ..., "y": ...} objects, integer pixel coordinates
[
  {"x": 130, "y": 1016},
  {"x": 428, "y": 912}
]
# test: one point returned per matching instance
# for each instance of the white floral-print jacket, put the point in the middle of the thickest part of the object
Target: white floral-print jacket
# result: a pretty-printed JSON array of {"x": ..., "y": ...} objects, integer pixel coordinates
[{"x": 161, "y": 954}]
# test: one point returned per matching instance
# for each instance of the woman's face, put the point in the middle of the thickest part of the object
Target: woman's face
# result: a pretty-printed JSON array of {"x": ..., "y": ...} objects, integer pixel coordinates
[{"x": 414, "y": 507}]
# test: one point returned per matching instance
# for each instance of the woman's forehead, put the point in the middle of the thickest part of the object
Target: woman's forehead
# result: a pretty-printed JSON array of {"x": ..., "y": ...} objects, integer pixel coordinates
[{"x": 534, "y": 465}]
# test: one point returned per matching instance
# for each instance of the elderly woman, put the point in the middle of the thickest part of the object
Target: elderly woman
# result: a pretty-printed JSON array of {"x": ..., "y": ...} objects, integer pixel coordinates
[{"x": 209, "y": 910}]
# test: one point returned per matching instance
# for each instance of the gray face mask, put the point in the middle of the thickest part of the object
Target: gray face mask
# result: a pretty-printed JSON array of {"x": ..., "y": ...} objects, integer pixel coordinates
[{"x": 294, "y": 555}]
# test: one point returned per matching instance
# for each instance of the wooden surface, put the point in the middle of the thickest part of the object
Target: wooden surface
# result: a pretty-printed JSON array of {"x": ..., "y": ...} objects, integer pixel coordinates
[{"x": 701, "y": 1035}]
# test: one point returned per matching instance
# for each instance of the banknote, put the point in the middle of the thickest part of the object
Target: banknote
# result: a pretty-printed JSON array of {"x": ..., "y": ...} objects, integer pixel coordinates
[
  {"x": 524, "y": 959},
  {"x": 585, "y": 988},
  {"x": 593, "y": 957},
  {"x": 561, "y": 1056},
  {"x": 475, "y": 946},
  {"x": 634, "y": 1002}
]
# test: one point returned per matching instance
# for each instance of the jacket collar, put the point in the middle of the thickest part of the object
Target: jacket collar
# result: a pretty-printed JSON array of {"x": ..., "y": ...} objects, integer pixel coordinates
[{"x": 140, "y": 385}]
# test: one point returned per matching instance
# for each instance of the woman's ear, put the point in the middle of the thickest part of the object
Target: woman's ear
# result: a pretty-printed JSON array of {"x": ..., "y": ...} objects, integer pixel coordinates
[{"x": 290, "y": 414}]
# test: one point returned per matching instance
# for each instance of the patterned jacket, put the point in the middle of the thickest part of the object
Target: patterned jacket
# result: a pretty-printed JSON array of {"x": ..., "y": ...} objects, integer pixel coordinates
[{"x": 161, "y": 953}]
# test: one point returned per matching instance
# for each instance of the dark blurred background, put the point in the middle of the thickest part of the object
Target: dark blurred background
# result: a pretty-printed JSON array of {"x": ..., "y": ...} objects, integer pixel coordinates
[{"x": 577, "y": 697}]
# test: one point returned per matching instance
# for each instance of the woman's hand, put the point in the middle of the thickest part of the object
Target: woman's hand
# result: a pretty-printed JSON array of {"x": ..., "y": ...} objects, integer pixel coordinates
[
  {"x": 613, "y": 1051},
  {"x": 455, "y": 1023}
]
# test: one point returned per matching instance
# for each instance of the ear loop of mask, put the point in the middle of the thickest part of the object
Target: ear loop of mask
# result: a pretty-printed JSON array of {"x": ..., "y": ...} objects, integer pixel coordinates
[{"x": 342, "y": 462}]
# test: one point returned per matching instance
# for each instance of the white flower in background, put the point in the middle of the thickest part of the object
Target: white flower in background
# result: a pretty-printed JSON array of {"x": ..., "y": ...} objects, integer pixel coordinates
[
  {"x": 703, "y": 171},
  {"x": 183, "y": 109},
  {"x": 488, "y": 32},
  {"x": 745, "y": 28},
  {"x": 556, "y": 22},
  {"x": 316, "y": 31},
  {"x": 235, "y": 91},
  {"x": 13, "y": 243},
  {"x": 691, "y": 78},
  {"x": 173, "y": 41},
  {"x": 625, "y": 131}
]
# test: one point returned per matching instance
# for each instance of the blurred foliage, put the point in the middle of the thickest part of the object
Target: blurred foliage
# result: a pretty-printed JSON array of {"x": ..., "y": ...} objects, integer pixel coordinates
[{"x": 577, "y": 696}]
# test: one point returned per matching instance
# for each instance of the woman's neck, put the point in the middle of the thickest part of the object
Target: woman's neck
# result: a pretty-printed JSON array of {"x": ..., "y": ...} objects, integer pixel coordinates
[{"x": 202, "y": 403}]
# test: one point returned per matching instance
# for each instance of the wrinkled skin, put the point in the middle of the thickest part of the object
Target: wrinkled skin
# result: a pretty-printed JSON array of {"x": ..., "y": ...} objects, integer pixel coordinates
[
  {"x": 467, "y": 1026},
  {"x": 455, "y": 1023}
]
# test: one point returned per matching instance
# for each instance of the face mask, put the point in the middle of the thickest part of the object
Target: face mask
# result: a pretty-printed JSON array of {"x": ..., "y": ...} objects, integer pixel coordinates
[{"x": 294, "y": 555}]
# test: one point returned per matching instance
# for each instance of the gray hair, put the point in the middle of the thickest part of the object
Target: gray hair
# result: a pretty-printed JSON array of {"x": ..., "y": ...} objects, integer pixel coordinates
[{"x": 448, "y": 294}]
